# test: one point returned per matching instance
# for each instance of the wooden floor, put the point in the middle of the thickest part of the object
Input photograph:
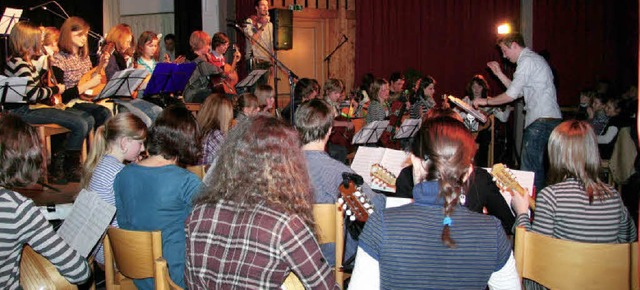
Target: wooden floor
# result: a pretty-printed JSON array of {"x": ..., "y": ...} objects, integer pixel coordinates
[{"x": 57, "y": 194}]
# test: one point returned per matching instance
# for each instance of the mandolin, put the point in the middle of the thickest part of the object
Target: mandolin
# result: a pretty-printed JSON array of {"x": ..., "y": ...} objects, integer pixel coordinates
[
  {"x": 226, "y": 83},
  {"x": 504, "y": 178},
  {"x": 354, "y": 202},
  {"x": 88, "y": 95}
]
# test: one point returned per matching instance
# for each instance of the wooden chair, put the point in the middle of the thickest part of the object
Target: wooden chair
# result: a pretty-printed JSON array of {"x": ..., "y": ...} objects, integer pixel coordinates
[
  {"x": 561, "y": 264},
  {"x": 36, "y": 272},
  {"x": 45, "y": 131},
  {"x": 198, "y": 170},
  {"x": 329, "y": 229},
  {"x": 135, "y": 255}
]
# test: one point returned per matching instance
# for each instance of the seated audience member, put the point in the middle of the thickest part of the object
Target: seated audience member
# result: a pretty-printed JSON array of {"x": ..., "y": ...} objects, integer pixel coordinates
[
  {"x": 433, "y": 243},
  {"x": 482, "y": 194},
  {"x": 313, "y": 122},
  {"x": 119, "y": 140},
  {"x": 156, "y": 193},
  {"x": 198, "y": 87},
  {"x": 215, "y": 120},
  {"x": 607, "y": 139},
  {"x": 21, "y": 221},
  {"x": 379, "y": 104},
  {"x": 247, "y": 106},
  {"x": 577, "y": 205},
  {"x": 266, "y": 100},
  {"x": 254, "y": 225},
  {"x": 304, "y": 90},
  {"x": 586, "y": 98}
]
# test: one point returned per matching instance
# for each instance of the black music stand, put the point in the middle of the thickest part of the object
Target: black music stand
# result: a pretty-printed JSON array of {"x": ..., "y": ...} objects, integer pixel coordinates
[
  {"x": 11, "y": 92},
  {"x": 408, "y": 129},
  {"x": 247, "y": 83},
  {"x": 122, "y": 84},
  {"x": 370, "y": 133}
]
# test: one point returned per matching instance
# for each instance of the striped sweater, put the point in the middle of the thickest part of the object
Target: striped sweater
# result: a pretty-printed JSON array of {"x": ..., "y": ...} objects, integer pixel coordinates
[
  {"x": 35, "y": 92},
  {"x": 563, "y": 211},
  {"x": 22, "y": 223}
]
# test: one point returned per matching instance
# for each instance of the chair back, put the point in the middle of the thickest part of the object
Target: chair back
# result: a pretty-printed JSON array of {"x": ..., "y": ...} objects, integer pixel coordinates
[
  {"x": 329, "y": 229},
  {"x": 36, "y": 272},
  {"x": 561, "y": 264},
  {"x": 198, "y": 170}
]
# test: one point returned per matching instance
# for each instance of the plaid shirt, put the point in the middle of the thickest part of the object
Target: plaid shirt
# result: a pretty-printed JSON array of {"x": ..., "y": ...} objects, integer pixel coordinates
[
  {"x": 233, "y": 248},
  {"x": 73, "y": 66}
]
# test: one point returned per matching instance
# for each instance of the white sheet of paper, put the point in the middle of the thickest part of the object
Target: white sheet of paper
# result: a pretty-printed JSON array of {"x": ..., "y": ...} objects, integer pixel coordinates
[
  {"x": 397, "y": 201},
  {"x": 16, "y": 88},
  {"x": 392, "y": 160},
  {"x": 10, "y": 17},
  {"x": 87, "y": 221}
]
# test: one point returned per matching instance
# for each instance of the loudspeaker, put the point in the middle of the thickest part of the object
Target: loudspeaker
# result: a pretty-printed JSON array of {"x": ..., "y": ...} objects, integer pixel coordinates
[{"x": 282, "y": 20}]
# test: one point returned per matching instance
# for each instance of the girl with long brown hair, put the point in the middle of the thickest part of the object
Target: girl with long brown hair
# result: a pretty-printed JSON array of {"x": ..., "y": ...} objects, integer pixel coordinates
[
  {"x": 254, "y": 224},
  {"x": 435, "y": 243}
]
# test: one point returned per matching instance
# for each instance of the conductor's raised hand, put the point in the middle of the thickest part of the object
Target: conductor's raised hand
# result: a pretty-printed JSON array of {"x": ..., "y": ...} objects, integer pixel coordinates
[{"x": 495, "y": 67}]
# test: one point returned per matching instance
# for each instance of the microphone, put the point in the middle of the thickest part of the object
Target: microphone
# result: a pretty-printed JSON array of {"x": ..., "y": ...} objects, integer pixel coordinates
[{"x": 41, "y": 5}]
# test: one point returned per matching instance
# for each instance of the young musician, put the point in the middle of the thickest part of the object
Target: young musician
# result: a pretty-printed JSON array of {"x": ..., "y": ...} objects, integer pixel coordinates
[
  {"x": 24, "y": 42},
  {"x": 72, "y": 62},
  {"x": 220, "y": 45},
  {"x": 198, "y": 88}
]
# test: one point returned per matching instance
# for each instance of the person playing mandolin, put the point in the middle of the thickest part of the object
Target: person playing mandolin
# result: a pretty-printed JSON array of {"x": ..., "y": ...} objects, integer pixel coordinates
[{"x": 220, "y": 45}]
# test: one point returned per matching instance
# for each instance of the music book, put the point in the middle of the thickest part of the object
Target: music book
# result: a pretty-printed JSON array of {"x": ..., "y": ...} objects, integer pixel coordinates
[
  {"x": 10, "y": 17},
  {"x": 13, "y": 89},
  {"x": 86, "y": 223},
  {"x": 370, "y": 133},
  {"x": 379, "y": 167},
  {"x": 169, "y": 78},
  {"x": 467, "y": 108},
  {"x": 408, "y": 128},
  {"x": 123, "y": 83}
]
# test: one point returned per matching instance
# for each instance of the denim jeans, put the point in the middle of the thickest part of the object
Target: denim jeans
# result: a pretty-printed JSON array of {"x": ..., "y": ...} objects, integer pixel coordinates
[
  {"x": 74, "y": 121},
  {"x": 534, "y": 148},
  {"x": 99, "y": 113}
]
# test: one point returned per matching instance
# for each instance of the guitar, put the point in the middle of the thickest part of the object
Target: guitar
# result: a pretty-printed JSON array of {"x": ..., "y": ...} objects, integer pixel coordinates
[
  {"x": 503, "y": 177},
  {"x": 88, "y": 95},
  {"x": 398, "y": 109},
  {"x": 36, "y": 272},
  {"x": 354, "y": 202},
  {"x": 226, "y": 82},
  {"x": 382, "y": 177}
]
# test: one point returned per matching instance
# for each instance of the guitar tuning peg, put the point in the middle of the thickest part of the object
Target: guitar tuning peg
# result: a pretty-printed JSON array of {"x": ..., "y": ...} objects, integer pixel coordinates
[
  {"x": 493, "y": 179},
  {"x": 341, "y": 200},
  {"x": 366, "y": 205},
  {"x": 344, "y": 206},
  {"x": 352, "y": 218},
  {"x": 361, "y": 199},
  {"x": 348, "y": 212},
  {"x": 357, "y": 193},
  {"x": 370, "y": 211}
]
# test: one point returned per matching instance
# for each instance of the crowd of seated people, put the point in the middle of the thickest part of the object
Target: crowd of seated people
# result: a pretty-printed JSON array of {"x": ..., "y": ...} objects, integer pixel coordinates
[{"x": 249, "y": 223}]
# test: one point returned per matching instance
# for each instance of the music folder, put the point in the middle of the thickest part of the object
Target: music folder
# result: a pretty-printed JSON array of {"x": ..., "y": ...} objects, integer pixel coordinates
[
  {"x": 169, "y": 78},
  {"x": 123, "y": 83},
  {"x": 370, "y": 133},
  {"x": 251, "y": 79}
]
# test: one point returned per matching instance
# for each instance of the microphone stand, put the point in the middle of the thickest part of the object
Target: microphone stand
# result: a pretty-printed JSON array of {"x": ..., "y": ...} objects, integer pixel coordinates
[
  {"x": 66, "y": 16},
  {"x": 328, "y": 57},
  {"x": 291, "y": 75}
]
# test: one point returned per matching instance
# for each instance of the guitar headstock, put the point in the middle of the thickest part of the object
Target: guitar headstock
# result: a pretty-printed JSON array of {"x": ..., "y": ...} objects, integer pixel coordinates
[
  {"x": 505, "y": 178},
  {"x": 354, "y": 201},
  {"x": 382, "y": 176}
]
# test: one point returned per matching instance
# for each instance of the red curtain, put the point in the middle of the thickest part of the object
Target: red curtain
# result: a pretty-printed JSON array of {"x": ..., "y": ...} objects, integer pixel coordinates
[
  {"x": 449, "y": 40},
  {"x": 587, "y": 41}
]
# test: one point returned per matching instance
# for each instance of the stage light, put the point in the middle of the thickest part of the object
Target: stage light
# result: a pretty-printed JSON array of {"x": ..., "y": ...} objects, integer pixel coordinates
[{"x": 504, "y": 28}]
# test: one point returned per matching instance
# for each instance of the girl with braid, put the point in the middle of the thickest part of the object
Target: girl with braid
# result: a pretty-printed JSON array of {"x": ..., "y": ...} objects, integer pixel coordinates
[{"x": 435, "y": 242}]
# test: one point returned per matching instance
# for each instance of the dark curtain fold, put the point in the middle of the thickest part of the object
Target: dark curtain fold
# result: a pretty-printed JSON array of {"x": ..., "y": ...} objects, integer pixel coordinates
[
  {"x": 449, "y": 40},
  {"x": 586, "y": 41},
  {"x": 188, "y": 18}
]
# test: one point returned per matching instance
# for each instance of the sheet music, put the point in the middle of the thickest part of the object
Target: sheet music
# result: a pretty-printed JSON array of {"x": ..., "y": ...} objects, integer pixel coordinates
[
  {"x": 467, "y": 108},
  {"x": 133, "y": 79},
  {"x": 392, "y": 160},
  {"x": 16, "y": 89},
  {"x": 87, "y": 221},
  {"x": 370, "y": 133},
  {"x": 397, "y": 201},
  {"x": 408, "y": 129},
  {"x": 10, "y": 16},
  {"x": 525, "y": 178}
]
